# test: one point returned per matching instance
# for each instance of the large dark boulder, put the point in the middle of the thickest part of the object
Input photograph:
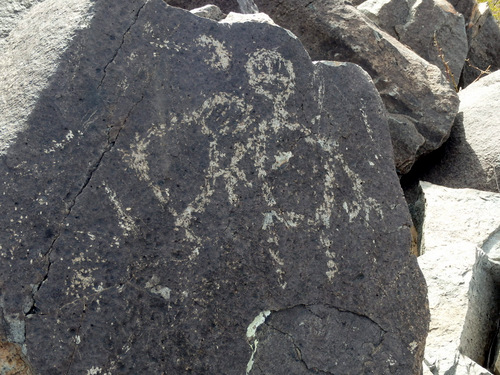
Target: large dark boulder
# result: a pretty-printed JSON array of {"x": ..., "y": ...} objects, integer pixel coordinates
[
  {"x": 431, "y": 28},
  {"x": 186, "y": 196},
  {"x": 421, "y": 102},
  {"x": 484, "y": 45},
  {"x": 483, "y": 34}
]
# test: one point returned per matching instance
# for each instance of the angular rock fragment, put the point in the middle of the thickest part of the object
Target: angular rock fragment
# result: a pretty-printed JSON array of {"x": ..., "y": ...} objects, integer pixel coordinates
[
  {"x": 11, "y": 12},
  {"x": 421, "y": 103},
  {"x": 177, "y": 192},
  {"x": 471, "y": 157},
  {"x": 431, "y": 28},
  {"x": 483, "y": 34},
  {"x": 484, "y": 45},
  {"x": 211, "y": 12},
  {"x": 460, "y": 261}
]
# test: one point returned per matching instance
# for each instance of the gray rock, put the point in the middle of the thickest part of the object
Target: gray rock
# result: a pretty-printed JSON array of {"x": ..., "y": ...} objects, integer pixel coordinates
[
  {"x": 186, "y": 196},
  {"x": 466, "y": 8},
  {"x": 484, "y": 45},
  {"x": 239, "y": 6},
  {"x": 419, "y": 99},
  {"x": 211, "y": 12},
  {"x": 483, "y": 37},
  {"x": 471, "y": 157},
  {"x": 431, "y": 28},
  {"x": 460, "y": 247},
  {"x": 11, "y": 12}
]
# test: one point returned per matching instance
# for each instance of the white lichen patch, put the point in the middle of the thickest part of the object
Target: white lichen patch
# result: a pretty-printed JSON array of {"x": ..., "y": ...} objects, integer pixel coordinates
[
  {"x": 153, "y": 285},
  {"x": 163, "y": 291},
  {"x": 281, "y": 158},
  {"x": 94, "y": 370},
  {"x": 252, "y": 341},
  {"x": 83, "y": 279},
  {"x": 256, "y": 322},
  {"x": 137, "y": 159},
  {"x": 217, "y": 55},
  {"x": 268, "y": 219}
]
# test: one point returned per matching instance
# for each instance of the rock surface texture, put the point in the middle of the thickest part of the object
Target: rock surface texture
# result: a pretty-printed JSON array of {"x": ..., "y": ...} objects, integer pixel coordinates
[
  {"x": 471, "y": 157},
  {"x": 421, "y": 103},
  {"x": 484, "y": 45},
  {"x": 11, "y": 11},
  {"x": 431, "y": 28},
  {"x": 186, "y": 196},
  {"x": 240, "y": 6},
  {"x": 211, "y": 12},
  {"x": 461, "y": 264}
]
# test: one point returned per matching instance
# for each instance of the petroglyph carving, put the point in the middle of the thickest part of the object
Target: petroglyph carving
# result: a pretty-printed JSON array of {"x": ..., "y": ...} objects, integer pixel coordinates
[{"x": 235, "y": 137}]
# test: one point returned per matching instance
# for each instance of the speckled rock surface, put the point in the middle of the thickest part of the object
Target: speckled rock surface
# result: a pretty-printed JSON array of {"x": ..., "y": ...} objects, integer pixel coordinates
[
  {"x": 484, "y": 45},
  {"x": 421, "y": 103},
  {"x": 471, "y": 157},
  {"x": 431, "y": 28},
  {"x": 186, "y": 196}
]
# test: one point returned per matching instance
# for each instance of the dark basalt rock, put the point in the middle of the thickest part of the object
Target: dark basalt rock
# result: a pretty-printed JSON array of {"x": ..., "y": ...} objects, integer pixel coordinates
[
  {"x": 431, "y": 28},
  {"x": 420, "y": 101},
  {"x": 225, "y": 5},
  {"x": 186, "y": 196}
]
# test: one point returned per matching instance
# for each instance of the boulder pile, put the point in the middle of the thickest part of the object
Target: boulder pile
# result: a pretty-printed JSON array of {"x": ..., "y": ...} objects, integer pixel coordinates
[{"x": 216, "y": 189}]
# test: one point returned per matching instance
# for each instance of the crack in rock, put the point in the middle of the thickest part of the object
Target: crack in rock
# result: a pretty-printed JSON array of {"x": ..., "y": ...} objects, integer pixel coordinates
[
  {"x": 111, "y": 142},
  {"x": 305, "y": 329},
  {"x": 77, "y": 338},
  {"x": 121, "y": 44},
  {"x": 299, "y": 352}
]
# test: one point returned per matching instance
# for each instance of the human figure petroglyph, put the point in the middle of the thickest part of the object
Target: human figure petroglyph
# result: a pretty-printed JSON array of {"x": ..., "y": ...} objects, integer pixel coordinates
[{"x": 235, "y": 136}]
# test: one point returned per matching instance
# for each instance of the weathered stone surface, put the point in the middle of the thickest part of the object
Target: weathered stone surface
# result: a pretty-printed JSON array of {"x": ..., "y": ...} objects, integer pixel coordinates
[
  {"x": 421, "y": 103},
  {"x": 484, "y": 45},
  {"x": 461, "y": 249},
  {"x": 483, "y": 37},
  {"x": 211, "y": 12},
  {"x": 12, "y": 360},
  {"x": 199, "y": 197},
  {"x": 11, "y": 12},
  {"x": 471, "y": 157},
  {"x": 465, "y": 7},
  {"x": 239, "y": 6},
  {"x": 431, "y": 28}
]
